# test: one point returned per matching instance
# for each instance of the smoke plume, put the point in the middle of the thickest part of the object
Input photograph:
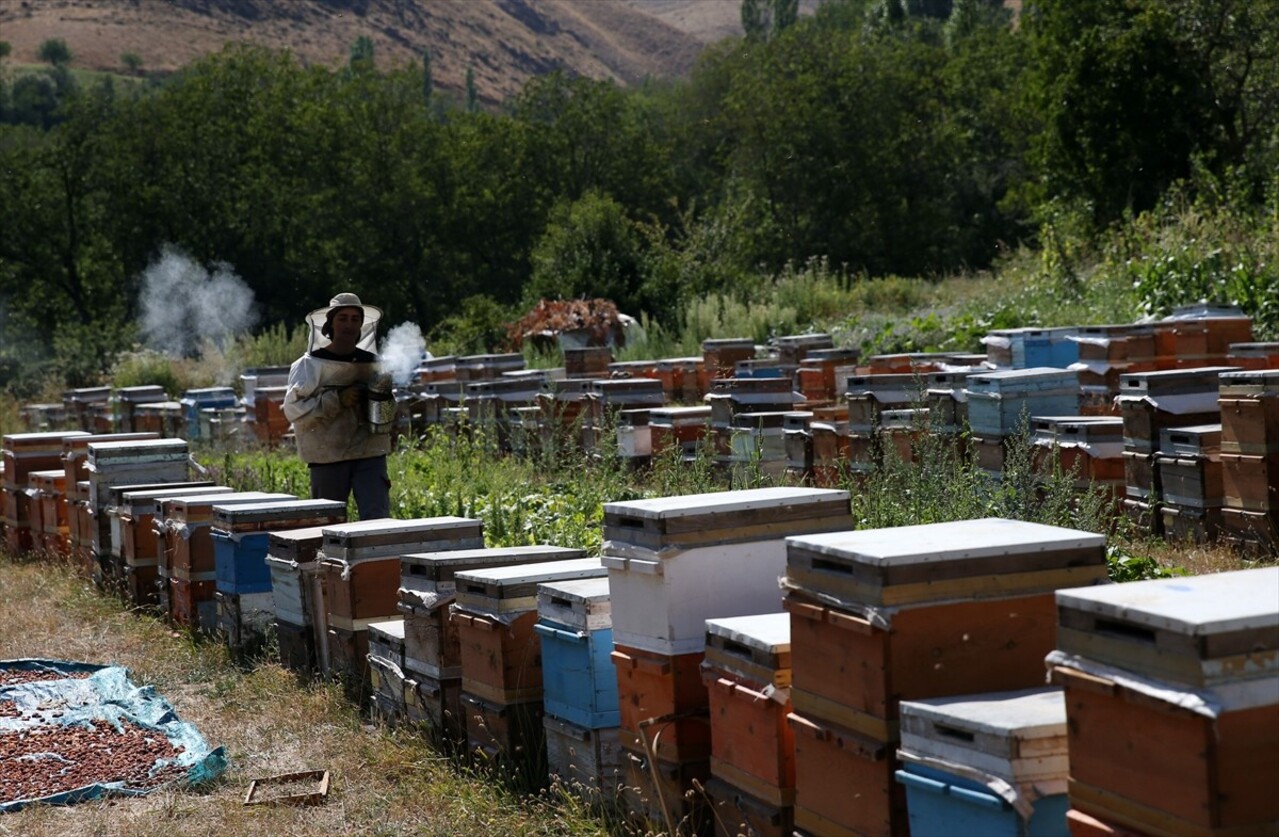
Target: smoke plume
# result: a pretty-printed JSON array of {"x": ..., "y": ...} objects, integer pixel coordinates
[
  {"x": 401, "y": 352},
  {"x": 183, "y": 304}
]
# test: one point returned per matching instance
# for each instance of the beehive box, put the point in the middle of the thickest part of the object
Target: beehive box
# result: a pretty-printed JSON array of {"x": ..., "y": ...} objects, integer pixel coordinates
[
  {"x": 495, "y": 612},
  {"x": 1249, "y": 404},
  {"x": 487, "y": 367},
  {"x": 1199, "y": 341},
  {"x": 1164, "y": 761},
  {"x": 48, "y": 490},
  {"x": 1189, "y": 467},
  {"x": 734, "y": 812},
  {"x": 188, "y": 521},
  {"x": 292, "y": 562},
  {"x": 241, "y": 540},
  {"x": 1250, "y": 483},
  {"x": 575, "y": 632},
  {"x": 656, "y": 793},
  {"x": 993, "y": 763},
  {"x": 385, "y": 537},
  {"x": 1151, "y": 401},
  {"x": 509, "y": 738},
  {"x": 1090, "y": 447},
  {"x": 682, "y": 428},
  {"x": 844, "y": 783},
  {"x": 870, "y": 395},
  {"x": 137, "y": 509},
  {"x": 436, "y": 706},
  {"x": 1200, "y": 631},
  {"x": 386, "y": 691},
  {"x": 757, "y": 441},
  {"x": 747, "y": 674},
  {"x": 797, "y": 441},
  {"x": 663, "y": 703},
  {"x": 684, "y": 379},
  {"x": 144, "y": 461},
  {"x": 999, "y": 403},
  {"x": 909, "y": 565},
  {"x": 27, "y": 452},
  {"x": 297, "y": 647},
  {"x": 244, "y": 618},
  {"x": 721, "y": 355},
  {"x": 818, "y": 373},
  {"x": 730, "y": 396},
  {"x": 1118, "y": 343},
  {"x": 675, "y": 562},
  {"x": 1255, "y": 356},
  {"x": 427, "y": 588},
  {"x": 586, "y": 760}
]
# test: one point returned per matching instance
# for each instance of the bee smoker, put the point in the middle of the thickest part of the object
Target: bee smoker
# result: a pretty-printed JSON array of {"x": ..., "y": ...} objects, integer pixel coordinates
[{"x": 380, "y": 404}]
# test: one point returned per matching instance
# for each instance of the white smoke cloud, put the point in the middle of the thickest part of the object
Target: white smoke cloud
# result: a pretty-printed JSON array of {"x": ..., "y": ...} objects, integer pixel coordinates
[
  {"x": 401, "y": 352},
  {"x": 183, "y": 304}
]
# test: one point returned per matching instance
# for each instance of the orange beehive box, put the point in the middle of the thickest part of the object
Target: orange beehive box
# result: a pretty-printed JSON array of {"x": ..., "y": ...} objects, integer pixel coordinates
[
  {"x": 508, "y": 736},
  {"x": 192, "y": 603},
  {"x": 361, "y": 591},
  {"x": 1250, "y": 425},
  {"x": 1146, "y": 763},
  {"x": 661, "y": 794},
  {"x": 1253, "y": 355},
  {"x": 1086, "y": 825},
  {"x": 1200, "y": 338},
  {"x": 747, "y": 674},
  {"x": 187, "y": 523},
  {"x": 735, "y": 812},
  {"x": 1250, "y": 483},
  {"x": 662, "y": 696},
  {"x": 845, "y": 783},
  {"x": 140, "y": 585},
  {"x": 501, "y": 662}
]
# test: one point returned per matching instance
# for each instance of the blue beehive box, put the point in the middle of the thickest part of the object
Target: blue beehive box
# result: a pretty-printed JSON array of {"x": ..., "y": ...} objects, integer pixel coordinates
[
  {"x": 575, "y": 625},
  {"x": 195, "y": 400},
  {"x": 993, "y": 764},
  {"x": 999, "y": 402},
  {"x": 240, "y": 562},
  {"x": 241, "y": 537}
]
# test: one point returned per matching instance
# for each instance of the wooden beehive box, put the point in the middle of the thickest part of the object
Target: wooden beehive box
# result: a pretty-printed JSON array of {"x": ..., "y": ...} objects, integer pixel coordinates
[
  {"x": 793, "y": 348},
  {"x": 512, "y": 589},
  {"x": 587, "y": 761},
  {"x": 187, "y": 522},
  {"x": 27, "y": 452},
  {"x": 277, "y": 515},
  {"x": 1198, "y": 631},
  {"x": 292, "y": 562},
  {"x": 1000, "y": 402},
  {"x": 908, "y": 565},
  {"x": 147, "y": 461},
  {"x": 1159, "y": 760},
  {"x": 869, "y": 395},
  {"x": 1151, "y": 401},
  {"x": 575, "y": 632},
  {"x": 747, "y": 675},
  {"x": 721, "y": 355},
  {"x": 386, "y": 640},
  {"x": 138, "y": 509},
  {"x": 668, "y": 687},
  {"x": 75, "y": 452},
  {"x": 1017, "y": 736},
  {"x": 1249, "y": 404},
  {"x": 677, "y": 561},
  {"x": 385, "y": 537}
]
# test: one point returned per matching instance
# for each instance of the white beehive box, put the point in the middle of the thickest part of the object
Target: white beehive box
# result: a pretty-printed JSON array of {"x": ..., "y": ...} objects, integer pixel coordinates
[
  {"x": 1016, "y": 737},
  {"x": 577, "y": 604},
  {"x": 677, "y": 561},
  {"x": 432, "y": 574}
]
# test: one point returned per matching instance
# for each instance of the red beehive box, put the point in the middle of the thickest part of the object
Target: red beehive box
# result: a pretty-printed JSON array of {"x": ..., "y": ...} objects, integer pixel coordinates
[
  {"x": 192, "y": 604},
  {"x": 188, "y": 520},
  {"x": 747, "y": 674},
  {"x": 362, "y": 591},
  {"x": 846, "y": 783},
  {"x": 668, "y": 688}
]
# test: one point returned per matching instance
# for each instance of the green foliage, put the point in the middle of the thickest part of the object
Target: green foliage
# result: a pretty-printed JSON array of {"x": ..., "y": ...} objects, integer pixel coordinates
[
  {"x": 1124, "y": 565},
  {"x": 479, "y": 327},
  {"x": 275, "y": 345},
  {"x": 54, "y": 51},
  {"x": 590, "y": 248},
  {"x": 146, "y": 367},
  {"x": 131, "y": 62}
]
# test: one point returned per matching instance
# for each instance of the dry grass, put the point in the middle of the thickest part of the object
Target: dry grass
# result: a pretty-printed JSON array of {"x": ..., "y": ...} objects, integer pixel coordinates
[{"x": 385, "y": 782}]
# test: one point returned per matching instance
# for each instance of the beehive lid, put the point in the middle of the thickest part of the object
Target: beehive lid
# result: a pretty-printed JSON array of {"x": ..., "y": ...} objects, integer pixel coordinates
[
  {"x": 680, "y": 415},
  {"x": 435, "y": 570},
  {"x": 294, "y": 511},
  {"x": 386, "y": 536},
  {"x": 138, "y": 500},
  {"x": 829, "y": 356},
  {"x": 108, "y": 454},
  {"x": 685, "y": 362},
  {"x": 195, "y": 508},
  {"x": 582, "y": 604},
  {"x": 296, "y": 545},
  {"x": 78, "y": 446},
  {"x": 511, "y": 589},
  {"x": 1196, "y": 606},
  {"x": 797, "y": 420},
  {"x": 1040, "y": 379},
  {"x": 726, "y": 516},
  {"x": 1017, "y": 736},
  {"x": 1172, "y": 382},
  {"x": 38, "y": 444},
  {"x": 1254, "y": 382},
  {"x": 751, "y": 649},
  {"x": 524, "y": 386},
  {"x": 387, "y": 631},
  {"x": 117, "y": 495},
  {"x": 989, "y": 558},
  {"x": 761, "y": 420},
  {"x": 146, "y": 393},
  {"x": 721, "y": 343},
  {"x": 50, "y": 479},
  {"x": 1198, "y": 440},
  {"x": 621, "y": 387}
]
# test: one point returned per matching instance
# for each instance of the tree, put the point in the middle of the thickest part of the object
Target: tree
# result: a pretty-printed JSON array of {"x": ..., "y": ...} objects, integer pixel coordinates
[
  {"x": 131, "y": 61},
  {"x": 755, "y": 20},
  {"x": 472, "y": 97},
  {"x": 590, "y": 249},
  {"x": 5, "y": 49},
  {"x": 785, "y": 15},
  {"x": 362, "y": 53},
  {"x": 428, "y": 84},
  {"x": 55, "y": 51}
]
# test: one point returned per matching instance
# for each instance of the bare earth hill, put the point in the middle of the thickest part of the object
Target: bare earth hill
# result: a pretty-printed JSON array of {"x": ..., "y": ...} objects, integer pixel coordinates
[{"x": 505, "y": 42}]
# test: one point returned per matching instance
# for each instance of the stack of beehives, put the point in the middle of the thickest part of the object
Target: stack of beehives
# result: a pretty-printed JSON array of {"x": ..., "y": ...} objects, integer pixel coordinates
[
  {"x": 674, "y": 563},
  {"x": 1172, "y": 702},
  {"x": 1249, "y": 404},
  {"x": 1001, "y": 404},
  {"x": 917, "y": 612},
  {"x": 432, "y": 664}
]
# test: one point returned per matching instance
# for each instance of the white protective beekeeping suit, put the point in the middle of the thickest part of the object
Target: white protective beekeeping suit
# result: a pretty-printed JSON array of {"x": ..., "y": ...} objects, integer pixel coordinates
[{"x": 325, "y": 430}]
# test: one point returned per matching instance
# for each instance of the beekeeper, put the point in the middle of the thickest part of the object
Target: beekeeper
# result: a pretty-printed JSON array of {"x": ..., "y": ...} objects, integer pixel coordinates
[{"x": 327, "y": 404}]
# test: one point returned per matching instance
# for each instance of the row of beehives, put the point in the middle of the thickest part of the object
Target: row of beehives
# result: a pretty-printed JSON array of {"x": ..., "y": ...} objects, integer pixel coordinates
[{"x": 508, "y": 658}]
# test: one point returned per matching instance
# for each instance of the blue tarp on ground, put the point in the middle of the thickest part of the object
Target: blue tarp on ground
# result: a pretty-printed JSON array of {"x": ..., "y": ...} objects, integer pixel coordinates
[{"x": 104, "y": 695}]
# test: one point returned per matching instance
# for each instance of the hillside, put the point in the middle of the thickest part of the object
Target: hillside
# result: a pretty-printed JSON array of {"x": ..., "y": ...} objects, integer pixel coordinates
[{"x": 504, "y": 41}]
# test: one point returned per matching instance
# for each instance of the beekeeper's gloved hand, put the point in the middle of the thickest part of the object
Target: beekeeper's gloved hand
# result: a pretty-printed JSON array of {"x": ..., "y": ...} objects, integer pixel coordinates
[{"x": 350, "y": 396}]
